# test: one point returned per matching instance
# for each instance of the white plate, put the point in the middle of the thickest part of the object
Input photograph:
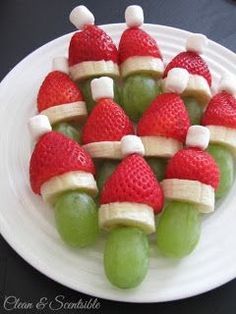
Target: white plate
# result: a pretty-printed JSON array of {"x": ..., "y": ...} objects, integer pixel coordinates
[{"x": 28, "y": 224}]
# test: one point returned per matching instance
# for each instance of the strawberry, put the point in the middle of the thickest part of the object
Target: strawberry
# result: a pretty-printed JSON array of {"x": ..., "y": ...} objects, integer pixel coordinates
[
  {"x": 91, "y": 44},
  {"x": 166, "y": 116},
  {"x": 107, "y": 122},
  {"x": 136, "y": 42},
  {"x": 57, "y": 89},
  {"x": 193, "y": 164},
  {"x": 221, "y": 110},
  {"x": 56, "y": 154},
  {"x": 133, "y": 181},
  {"x": 192, "y": 62}
]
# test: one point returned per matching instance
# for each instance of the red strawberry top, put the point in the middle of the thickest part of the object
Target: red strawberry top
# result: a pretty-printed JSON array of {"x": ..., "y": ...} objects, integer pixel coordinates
[
  {"x": 91, "y": 44},
  {"x": 192, "y": 62},
  {"x": 55, "y": 154},
  {"x": 136, "y": 42},
  {"x": 107, "y": 122},
  {"x": 221, "y": 110},
  {"x": 166, "y": 116},
  {"x": 57, "y": 89},
  {"x": 133, "y": 181},
  {"x": 193, "y": 164}
]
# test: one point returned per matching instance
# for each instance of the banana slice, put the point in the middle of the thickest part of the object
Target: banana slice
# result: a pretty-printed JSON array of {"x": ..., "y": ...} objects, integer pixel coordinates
[
  {"x": 87, "y": 69},
  {"x": 68, "y": 181},
  {"x": 160, "y": 146},
  {"x": 106, "y": 149},
  {"x": 127, "y": 214},
  {"x": 142, "y": 64},
  {"x": 223, "y": 135},
  {"x": 200, "y": 194},
  {"x": 72, "y": 111},
  {"x": 197, "y": 87}
]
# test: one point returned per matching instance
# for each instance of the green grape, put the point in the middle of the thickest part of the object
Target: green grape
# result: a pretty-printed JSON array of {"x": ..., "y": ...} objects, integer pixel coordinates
[
  {"x": 138, "y": 93},
  {"x": 86, "y": 90},
  {"x": 126, "y": 257},
  {"x": 76, "y": 219},
  {"x": 178, "y": 230},
  {"x": 158, "y": 166},
  {"x": 105, "y": 171},
  {"x": 118, "y": 93},
  {"x": 225, "y": 162},
  {"x": 68, "y": 130},
  {"x": 194, "y": 109}
]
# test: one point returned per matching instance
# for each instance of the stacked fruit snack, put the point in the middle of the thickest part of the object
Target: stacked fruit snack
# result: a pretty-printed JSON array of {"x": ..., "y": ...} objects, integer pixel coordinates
[
  {"x": 129, "y": 199},
  {"x": 196, "y": 80},
  {"x": 92, "y": 52},
  {"x": 162, "y": 129},
  {"x": 61, "y": 171},
  {"x": 141, "y": 64},
  {"x": 104, "y": 129},
  {"x": 220, "y": 119},
  {"x": 61, "y": 101},
  {"x": 192, "y": 176}
]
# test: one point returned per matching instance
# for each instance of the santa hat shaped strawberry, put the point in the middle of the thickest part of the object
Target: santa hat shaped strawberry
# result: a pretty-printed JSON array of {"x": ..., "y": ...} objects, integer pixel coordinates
[
  {"x": 220, "y": 114},
  {"x": 130, "y": 196},
  {"x": 163, "y": 126},
  {"x": 138, "y": 51},
  {"x": 59, "y": 98},
  {"x": 106, "y": 124},
  {"x": 58, "y": 164},
  {"x": 192, "y": 175},
  {"x": 196, "y": 80},
  {"x": 91, "y": 51}
]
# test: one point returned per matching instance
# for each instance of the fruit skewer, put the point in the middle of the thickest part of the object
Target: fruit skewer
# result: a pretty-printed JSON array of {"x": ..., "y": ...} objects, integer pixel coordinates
[
  {"x": 92, "y": 53},
  {"x": 163, "y": 129},
  {"x": 61, "y": 100},
  {"x": 141, "y": 64},
  {"x": 128, "y": 201},
  {"x": 104, "y": 129},
  {"x": 61, "y": 171},
  {"x": 192, "y": 176},
  {"x": 195, "y": 83},
  {"x": 220, "y": 119}
]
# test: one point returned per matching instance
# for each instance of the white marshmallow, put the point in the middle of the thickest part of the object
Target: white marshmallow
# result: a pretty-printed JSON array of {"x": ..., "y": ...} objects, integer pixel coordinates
[
  {"x": 197, "y": 43},
  {"x": 60, "y": 64},
  {"x": 81, "y": 16},
  {"x": 134, "y": 16},
  {"x": 198, "y": 136},
  {"x": 38, "y": 126},
  {"x": 131, "y": 144},
  {"x": 228, "y": 84},
  {"x": 102, "y": 88},
  {"x": 177, "y": 80}
]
